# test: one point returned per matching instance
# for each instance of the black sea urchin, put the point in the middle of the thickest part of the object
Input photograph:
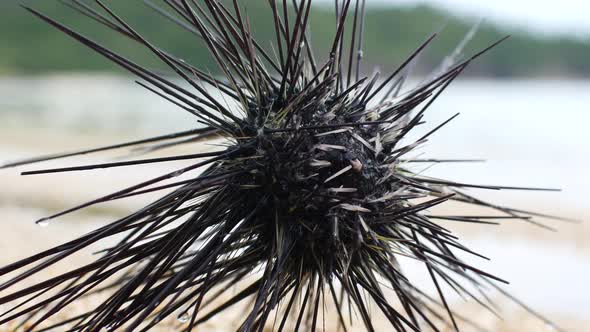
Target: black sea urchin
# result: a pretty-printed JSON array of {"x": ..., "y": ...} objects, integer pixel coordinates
[{"x": 309, "y": 202}]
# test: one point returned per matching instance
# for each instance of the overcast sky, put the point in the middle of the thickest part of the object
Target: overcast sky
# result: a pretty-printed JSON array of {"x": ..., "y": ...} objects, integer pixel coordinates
[{"x": 545, "y": 16}]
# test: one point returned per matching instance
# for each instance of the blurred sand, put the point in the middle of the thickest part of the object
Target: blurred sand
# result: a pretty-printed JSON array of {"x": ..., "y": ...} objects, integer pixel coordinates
[{"x": 24, "y": 199}]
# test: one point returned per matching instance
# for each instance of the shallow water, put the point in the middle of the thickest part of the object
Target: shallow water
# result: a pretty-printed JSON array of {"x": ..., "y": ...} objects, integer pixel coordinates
[{"x": 532, "y": 133}]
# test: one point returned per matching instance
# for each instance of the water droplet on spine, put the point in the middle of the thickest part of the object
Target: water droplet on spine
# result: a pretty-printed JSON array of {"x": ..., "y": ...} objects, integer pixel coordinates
[
  {"x": 183, "y": 317},
  {"x": 42, "y": 222}
]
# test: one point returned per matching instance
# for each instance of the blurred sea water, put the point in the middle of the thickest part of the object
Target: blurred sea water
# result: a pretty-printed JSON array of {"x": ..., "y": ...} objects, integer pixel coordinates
[{"x": 532, "y": 133}]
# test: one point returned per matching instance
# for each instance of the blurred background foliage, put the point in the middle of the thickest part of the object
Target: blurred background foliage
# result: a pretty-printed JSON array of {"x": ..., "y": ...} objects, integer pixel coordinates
[{"x": 29, "y": 46}]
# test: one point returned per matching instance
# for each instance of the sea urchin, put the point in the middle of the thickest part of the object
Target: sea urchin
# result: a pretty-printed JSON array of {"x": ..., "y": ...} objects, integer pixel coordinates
[{"x": 311, "y": 199}]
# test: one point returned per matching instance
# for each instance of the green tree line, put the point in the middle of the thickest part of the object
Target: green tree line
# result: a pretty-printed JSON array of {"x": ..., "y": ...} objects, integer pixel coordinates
[{"x": 30, "y": 46}]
